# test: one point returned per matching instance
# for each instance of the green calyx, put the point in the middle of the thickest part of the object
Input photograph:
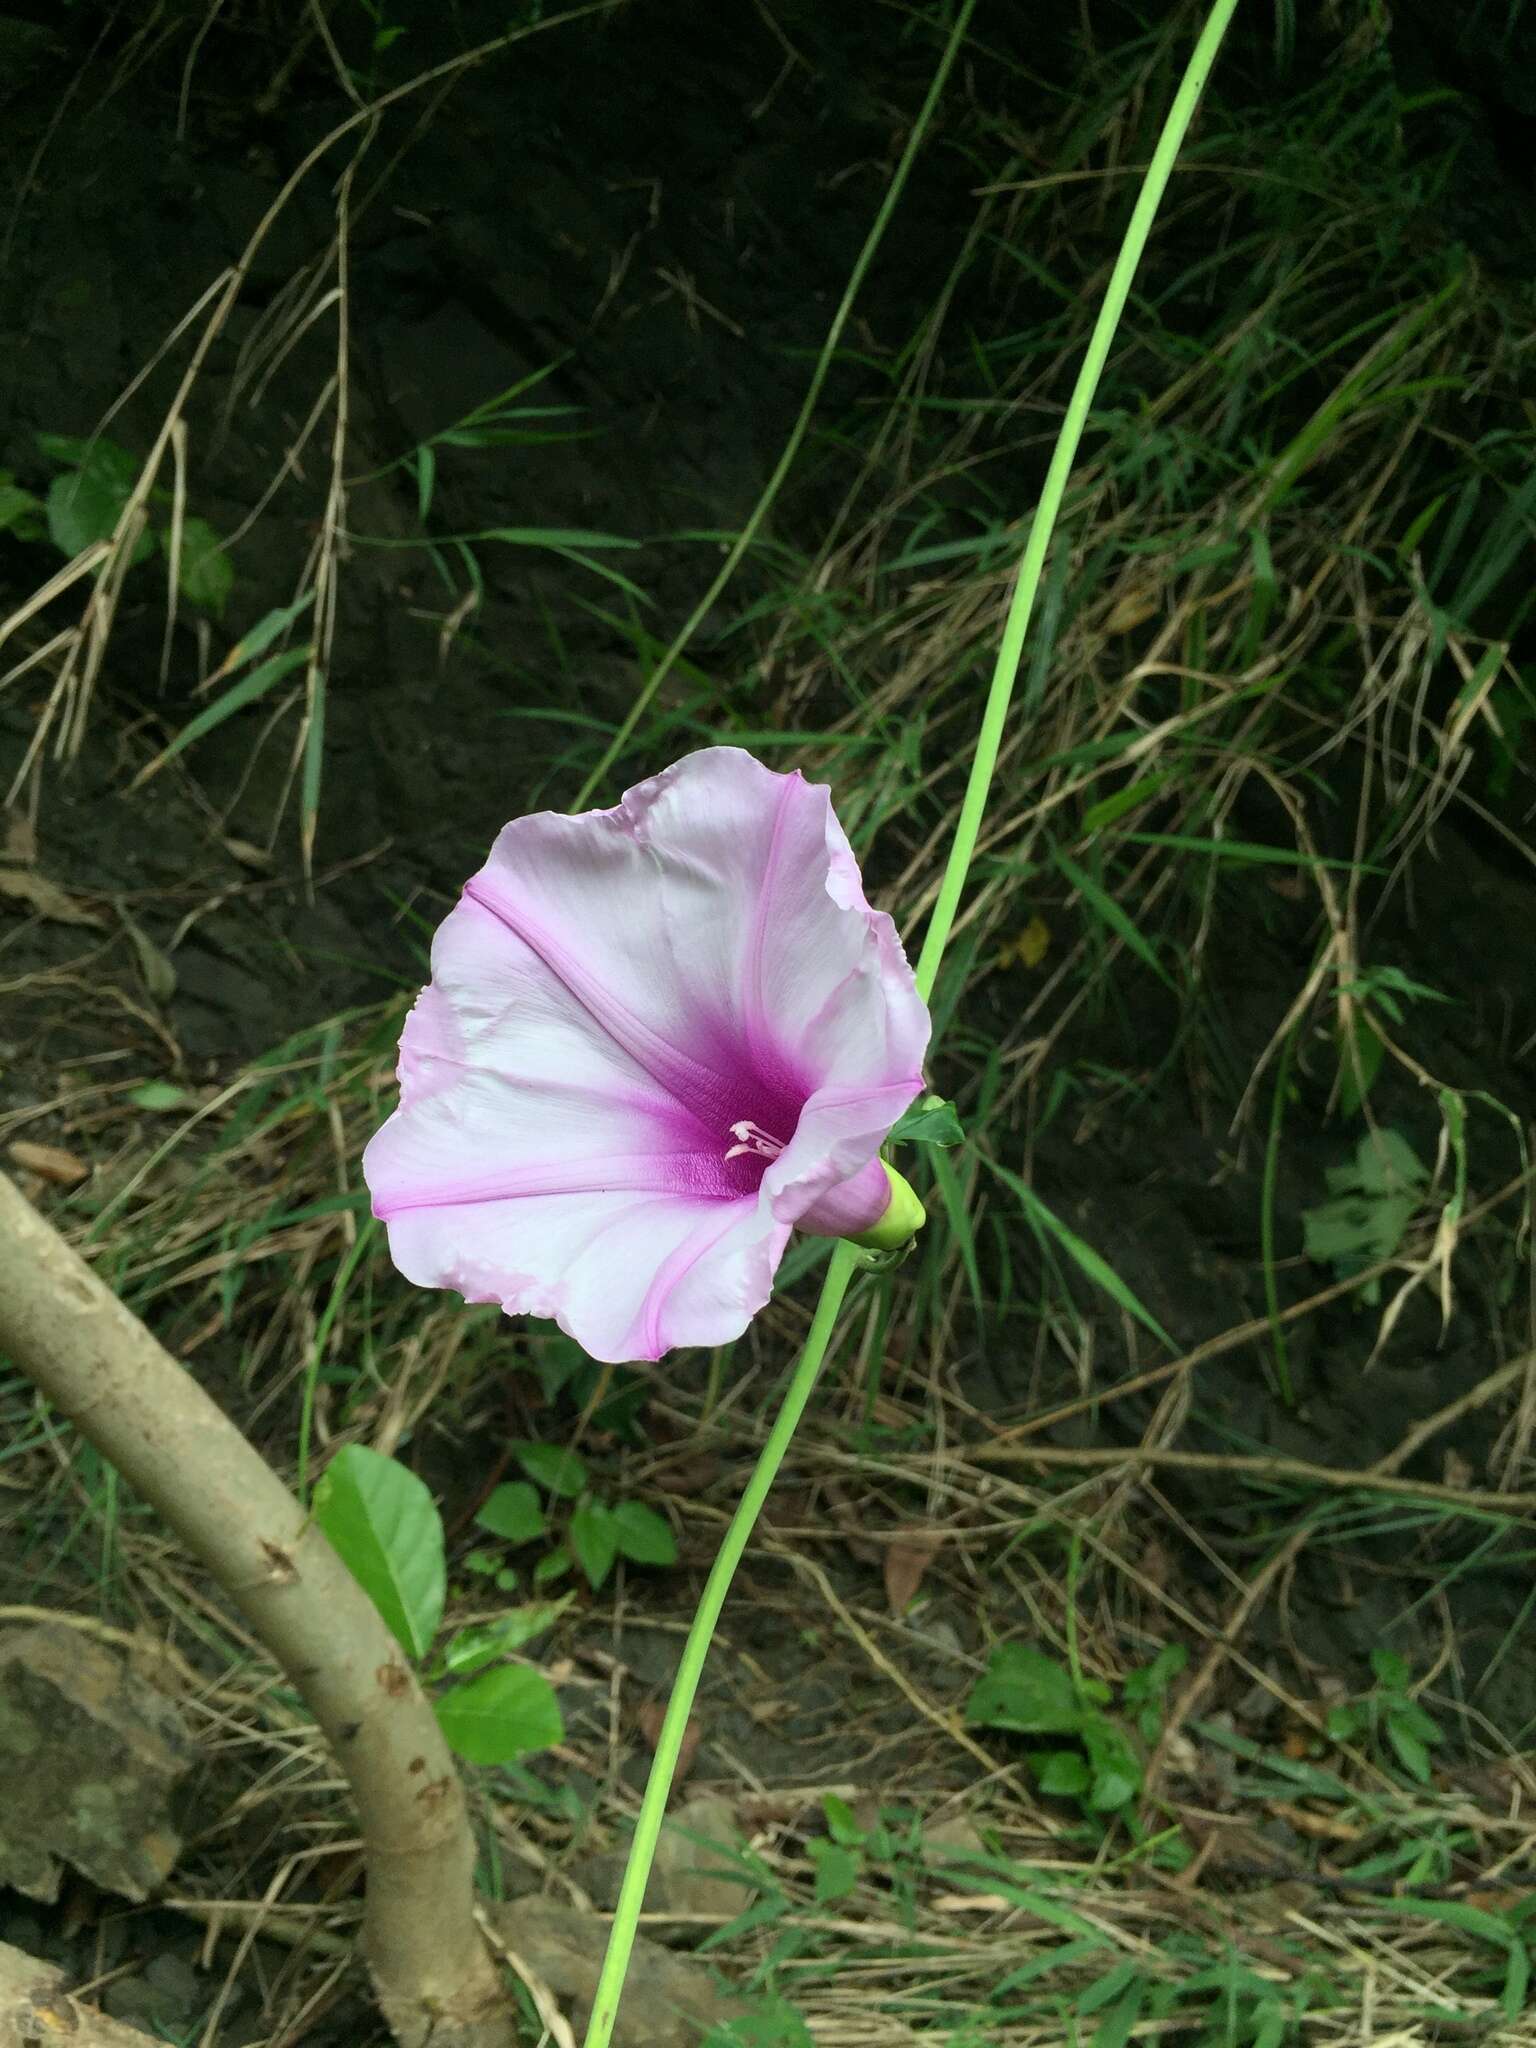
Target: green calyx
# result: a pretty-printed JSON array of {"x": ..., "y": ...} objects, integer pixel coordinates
[{"x": 903, "y": 1219}]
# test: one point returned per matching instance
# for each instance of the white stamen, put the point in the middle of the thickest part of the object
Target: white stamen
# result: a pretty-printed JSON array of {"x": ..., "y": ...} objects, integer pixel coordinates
[{"x": 754, "y": 1141}]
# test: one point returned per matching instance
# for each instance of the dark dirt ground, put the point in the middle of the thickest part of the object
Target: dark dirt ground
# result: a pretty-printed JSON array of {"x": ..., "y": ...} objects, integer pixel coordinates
[{"x": 669, "y": 222}]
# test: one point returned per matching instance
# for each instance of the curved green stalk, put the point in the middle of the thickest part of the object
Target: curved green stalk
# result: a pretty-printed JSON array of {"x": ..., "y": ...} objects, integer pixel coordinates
[
  {"x": 690, "y": 1668},
  {"x": 797, "y": 432},
  {"x": 844, "y": 1258}
]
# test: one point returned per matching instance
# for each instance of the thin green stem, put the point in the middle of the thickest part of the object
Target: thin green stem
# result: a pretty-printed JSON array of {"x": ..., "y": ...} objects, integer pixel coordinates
[
  {"x": 690, "y": 1669},
  {"x": 844, "y": 1259},
  {"x": 797, "y": 432},
  {"x": 1011, "y": 646}
]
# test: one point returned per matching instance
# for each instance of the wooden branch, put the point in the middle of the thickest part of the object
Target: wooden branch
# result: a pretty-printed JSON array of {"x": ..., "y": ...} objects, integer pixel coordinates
[{"x": 98, "y": 1365}]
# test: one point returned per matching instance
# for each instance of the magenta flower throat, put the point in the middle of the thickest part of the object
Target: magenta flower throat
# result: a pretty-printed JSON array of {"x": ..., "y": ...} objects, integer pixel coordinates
[{"x": 656, "y": 1040}]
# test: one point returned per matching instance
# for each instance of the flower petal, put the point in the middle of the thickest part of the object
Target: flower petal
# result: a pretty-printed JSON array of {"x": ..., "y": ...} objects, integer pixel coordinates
[{"x": 629, "y": 1277}]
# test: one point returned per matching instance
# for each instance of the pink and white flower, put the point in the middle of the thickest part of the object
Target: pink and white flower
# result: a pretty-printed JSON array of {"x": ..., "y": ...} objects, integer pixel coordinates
[{"x": 656, "y": 1040}]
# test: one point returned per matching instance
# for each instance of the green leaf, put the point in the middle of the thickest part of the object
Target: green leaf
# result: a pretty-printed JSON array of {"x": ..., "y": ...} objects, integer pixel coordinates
[
  {"x": 485, "y": 1563},
  {"x": 841, "y": 1825},
  {"x": 557, "y": 1471},
  {"x": 1025, "y": 1691},
  {"x": 109, "y": 459},
  {"x": 1114, "y": 1766},
  {"x": 1411, "y": 1753},
  {"x": 594, "y": 1540},
  {"x": 264, "y": 632},
  {"x": 159, "y": 1096},
  {"x": 931, "y": 1121},
  {"x": 1389, "y": 1668},
  {"x": 206, "y": 574},
  {"x": 555, "y": 1566},
  {"x": 471, "y": 1649},
  {"x": 837, "y": 1870},
  {"x": 20, "y": 512},
  {"x": 235, "y": 698},
  {"x": 515, "y": 1513},
  {"x": 84, "y": 506},
  {"x": 384, "y": 1524},
  {"x": 500, "y": 1715},
  {"x": 642, "y": 1535},
  {"x": 1061, "y": 1772}
]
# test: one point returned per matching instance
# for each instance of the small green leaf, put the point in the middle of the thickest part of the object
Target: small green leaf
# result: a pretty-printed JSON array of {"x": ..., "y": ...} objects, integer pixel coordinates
[
  {"x": 505, "y": 1580},
  {"x": 841, "y": 1825},
  {"x": 1389, "y": 1668},
  {"x": 1025, "y": 1691},
  {"x": 1062, "y": 1773},
  {"x": 484, "y": 1563},
  {"x": 555, "y": 1566},
  {"x": 205, "y": 573},
  {"x": 1114, "y": 1767},
  {"x": 930, "y": 1121},
  {"x": 384, "y": 1524},
  {"x": 20, "y": 512},
  {"x": 1411, "y": 1753},
  {"x": 159, "y": 1096},
  {"x": 515, "y": 1513},
  {"x": 500, "y": 1715},
  {"x": 837, "y": 1870},
  {"x": 594, "y": 1540},
  {"x": 643, "y": 1536},
  {"x": 556, "y": 1470},
  {"x": 83, "y": 510},
  {"x": 471, "y": 1649}
]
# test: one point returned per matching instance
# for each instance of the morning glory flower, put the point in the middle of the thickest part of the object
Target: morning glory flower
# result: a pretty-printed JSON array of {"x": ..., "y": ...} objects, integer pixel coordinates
[{"x": 657, "y": 1039}]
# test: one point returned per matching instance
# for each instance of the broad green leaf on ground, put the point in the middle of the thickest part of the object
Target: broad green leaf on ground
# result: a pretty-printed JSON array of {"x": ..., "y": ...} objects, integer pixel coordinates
[
  {"x": 86, "y": 502},
  {"x": 515, "y": 1513},
  {"x": 594, "y": 1540},
  {"x": 500, "y": 1715},
  {"x": 384, "y": 1524},
  {"x": 556, "y": 1470},
  {"x": 642, "y": 1535},
  {"x": 1026, "y": 1691}
]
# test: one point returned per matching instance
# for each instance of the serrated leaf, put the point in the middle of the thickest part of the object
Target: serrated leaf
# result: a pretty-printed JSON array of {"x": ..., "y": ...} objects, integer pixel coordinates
[
  {"x": 594, "y": 1540},
  {"x": 515, "y": 1513},
  {"x": 500, "y": 1715},
  {"x": 931, "y": 1121},
  {"x": 1024, "y": 1691},
  {"x": 557, "y": 1471},
  {"x": 383, "y": 1522},
  {"x": 643, "y": 1536},
  {"x": 205, "y": 573}
]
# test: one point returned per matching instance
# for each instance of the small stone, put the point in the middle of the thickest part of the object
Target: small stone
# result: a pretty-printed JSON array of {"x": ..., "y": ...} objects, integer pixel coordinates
[{"x": 90, "y": 1755}]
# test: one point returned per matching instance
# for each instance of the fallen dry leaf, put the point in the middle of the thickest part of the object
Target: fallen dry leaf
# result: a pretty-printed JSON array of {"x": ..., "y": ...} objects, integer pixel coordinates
[
  {"x": 49, "y": 1162},
  {"x": 906, "y": 1566},
  {"x": 650, "y": 1718},
  {"x": 46, "y": 898}
]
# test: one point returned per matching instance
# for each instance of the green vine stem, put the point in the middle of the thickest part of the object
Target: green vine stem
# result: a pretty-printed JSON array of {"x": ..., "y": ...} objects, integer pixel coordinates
[{"x": 940, "y": 925}]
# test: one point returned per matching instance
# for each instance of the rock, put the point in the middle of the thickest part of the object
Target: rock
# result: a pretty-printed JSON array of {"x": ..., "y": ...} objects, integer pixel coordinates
[
  {"x": 669, "y": 2001},
  {"x": 90, "y": 1755},
  {"x": 35, "y": 2008}
]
